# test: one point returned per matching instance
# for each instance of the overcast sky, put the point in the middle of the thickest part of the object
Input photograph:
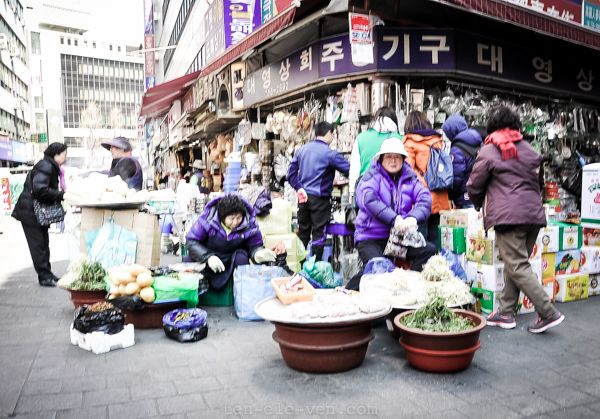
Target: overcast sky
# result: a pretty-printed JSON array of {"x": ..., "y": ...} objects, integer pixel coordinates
[{"x": 118, "y": 19}]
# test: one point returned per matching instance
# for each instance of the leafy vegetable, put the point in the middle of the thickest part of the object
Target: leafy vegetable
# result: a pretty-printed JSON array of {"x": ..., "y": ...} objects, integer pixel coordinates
[
  {"x": 436, "y": 317},
  {"x": 91, "y": 277}
]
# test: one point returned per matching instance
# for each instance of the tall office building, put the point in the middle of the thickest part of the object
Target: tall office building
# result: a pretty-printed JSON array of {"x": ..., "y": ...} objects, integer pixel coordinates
[
  {"x": 85, "y": 89},
  {"x": 14, "y": 85}
]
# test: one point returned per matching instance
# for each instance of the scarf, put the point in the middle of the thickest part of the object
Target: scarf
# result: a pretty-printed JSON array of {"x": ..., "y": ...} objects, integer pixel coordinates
[
  {"x": 385, "y": 125},
  {"x": 505, "y": 140}
]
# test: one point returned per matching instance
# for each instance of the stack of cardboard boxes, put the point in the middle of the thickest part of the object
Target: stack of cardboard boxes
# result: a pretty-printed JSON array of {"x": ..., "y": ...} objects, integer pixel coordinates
[
  {"x": 565, "y": 259},
  {"x": 277, "y": 227}
]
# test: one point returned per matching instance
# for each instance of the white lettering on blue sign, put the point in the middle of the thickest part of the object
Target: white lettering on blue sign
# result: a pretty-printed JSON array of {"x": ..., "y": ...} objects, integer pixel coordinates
[
  {"x": 495, "y": 57},
  {"x": 332, "y": 52},
  {"x": 544, "y": 73},
  {"x": 284, "y": 70},
  {"x": 306, "y": 59},
  {"x": 585, "y": 81},
  {"x": 266, "y": 77},
  {"x": 435, "y": 49}
]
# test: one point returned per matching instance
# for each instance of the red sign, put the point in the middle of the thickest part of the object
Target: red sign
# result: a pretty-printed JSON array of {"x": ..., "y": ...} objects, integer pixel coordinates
[
  {"x": 5, "y": 194},
  {"x": 566, "y": 10}
]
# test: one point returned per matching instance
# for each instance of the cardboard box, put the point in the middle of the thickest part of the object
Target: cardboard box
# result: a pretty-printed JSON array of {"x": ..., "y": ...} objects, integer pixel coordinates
[
  {"x": 591, "y": 236},
  {"x": 548, "y": 285},
  {"x": 548, "y": 239},
  {"x": 590, "y": 260},
  {"x": 590, "y": 196},
  {"x": 570, "y": 236},
  {"x": 488, "y": 277},
  {"x": 470, "y": 219},
  {"x": 279, "y": 219},
  {"x": 144, "y": 225},
  {"x": 289, "y": 240},
  {"x": 452, "y": 239},
  {"x": 488, "y": 300},
  {"x": 561, "y": 263},
  {"x": 482, "y": 250},
  {"x": 594, "y": 288},
  {"x": 572, "y": 287}
]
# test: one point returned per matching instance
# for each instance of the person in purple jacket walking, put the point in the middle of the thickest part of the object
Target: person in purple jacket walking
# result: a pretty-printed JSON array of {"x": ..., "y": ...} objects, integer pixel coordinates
[
  {"x": 505, "y": 183},
  {"x": 226, "y": 236},
  {"x": 390, "y": 195},
  {"x": 465, "y": 146}
]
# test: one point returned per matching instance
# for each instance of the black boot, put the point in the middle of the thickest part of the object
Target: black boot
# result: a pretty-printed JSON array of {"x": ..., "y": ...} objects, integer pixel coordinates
[{"x": 47, "y": 282}]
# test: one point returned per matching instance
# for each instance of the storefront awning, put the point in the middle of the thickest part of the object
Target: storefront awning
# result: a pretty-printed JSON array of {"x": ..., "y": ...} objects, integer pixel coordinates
[
  {"x": 159, "y": 99},
  {"x": 280, "y": 22},
  {"x": 508, "y": 12}
]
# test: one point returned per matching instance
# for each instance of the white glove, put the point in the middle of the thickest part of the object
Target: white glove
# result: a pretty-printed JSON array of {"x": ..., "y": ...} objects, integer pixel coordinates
[
  {"x": 404, "y": 224},
  {"x": 264, "y": 256},
  {"x": 215, "y": 264}
]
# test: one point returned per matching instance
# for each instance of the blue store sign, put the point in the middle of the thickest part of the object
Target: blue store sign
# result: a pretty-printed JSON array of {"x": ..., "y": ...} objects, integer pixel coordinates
[{"x": 400, "y": 50}]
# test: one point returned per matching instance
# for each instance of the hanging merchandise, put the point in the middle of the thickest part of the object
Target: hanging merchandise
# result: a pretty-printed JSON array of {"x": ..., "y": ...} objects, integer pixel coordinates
[
  {"x": 381, "y": 92},
  {"x": 244, "y": 132},
  {"x": 350, "y": 105},
  {"x": 259, "y": 131}
]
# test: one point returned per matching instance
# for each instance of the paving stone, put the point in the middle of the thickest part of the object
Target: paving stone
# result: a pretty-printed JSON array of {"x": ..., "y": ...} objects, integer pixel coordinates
[
  {"x": 567, "y": 397},
  {"x": 100, "y": 412},
  {"x": 40, "y": 415},
  {"x": 228, "y": 398},
  {"x": 83, "y": 384},
  {"x": 574, "y": 412},
  {"x": 529, "y": 405},
  {"x": 106, "y": 397},
  {"x": 41, "y": 387},
  {"x": 180, "y": 404},
  {"x": 163, "y": 389},
  {"x": 133, "y": 410},
  {"x": 49, "y": 402},
  {"x": 200, "y": 385}
]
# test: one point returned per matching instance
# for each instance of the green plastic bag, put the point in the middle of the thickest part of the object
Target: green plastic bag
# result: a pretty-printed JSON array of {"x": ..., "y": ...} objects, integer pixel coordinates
[
  {"x": 183, "y": 286},
  {"x": 321, "y": 272}
]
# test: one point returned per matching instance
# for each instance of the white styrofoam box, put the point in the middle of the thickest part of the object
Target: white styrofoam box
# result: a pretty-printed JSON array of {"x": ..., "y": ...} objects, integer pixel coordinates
[
  {"x": 594, "y": 288},
  {"x": 469, "y": 218},
  {"x": 548, "y": 239},
  {"x": 100, "y": 342},
  {"x": 489, "y": 277},
  {"x": 590, "y": 260},
  {"x": 590, "y": 196}
]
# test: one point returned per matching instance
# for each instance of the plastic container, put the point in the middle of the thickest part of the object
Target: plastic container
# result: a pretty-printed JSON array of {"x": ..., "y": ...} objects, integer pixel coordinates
[
  {"x": 214, "y": 298},
  {"x": 99, "y": 342},
  {"x": 307, "y": 294}
]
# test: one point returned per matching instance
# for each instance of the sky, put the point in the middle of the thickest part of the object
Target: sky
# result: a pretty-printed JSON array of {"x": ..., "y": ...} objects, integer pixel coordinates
[{"x": 119, "y": 19}]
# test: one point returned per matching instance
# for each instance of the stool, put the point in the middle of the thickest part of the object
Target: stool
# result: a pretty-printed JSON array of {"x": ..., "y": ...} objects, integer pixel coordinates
[
  {"x": 327, "y": 252},
  {"x": 337, "y": 230}
]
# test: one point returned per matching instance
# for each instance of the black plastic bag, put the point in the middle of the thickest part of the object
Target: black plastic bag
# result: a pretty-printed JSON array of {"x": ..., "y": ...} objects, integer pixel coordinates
[
  {"x": 186, "y": 335},
  {"x": 109, "y": 321},
  {"x": 130, "y": 303},
  {"x": 573, "y": 182}
]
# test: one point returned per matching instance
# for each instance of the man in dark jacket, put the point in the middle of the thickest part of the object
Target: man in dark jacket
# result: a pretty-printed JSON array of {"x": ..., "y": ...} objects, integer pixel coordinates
[
  {"x": 505, "y": 183},
  {"x": 311, "y": 174},
  {"x": 120, "y": 149},
  {"x": 465, "y": 145},
  {"x": 226, "y": 236}
]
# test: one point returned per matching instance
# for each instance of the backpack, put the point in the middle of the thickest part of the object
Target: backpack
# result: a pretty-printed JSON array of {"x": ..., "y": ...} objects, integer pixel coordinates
[{"x": 439, "y": 175}]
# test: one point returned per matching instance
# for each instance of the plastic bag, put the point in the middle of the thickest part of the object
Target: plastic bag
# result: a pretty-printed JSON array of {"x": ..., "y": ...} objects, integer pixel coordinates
[
  {"x": 350, "y": 264},
  {"x": 111, "y": 245},
  {"x": 399, "y": 242},
  {"x": 321, "y": 272},
  {"x": 185, "y": 325},
  {"x": 182, "y": 286},
  {"x": 108, "y": 321},
  {"x": 454, "y": 265},
  {"x": 251, "y": 284},
  {"x": 379, "y": 266},
  {"x": 129, "y": 302}
]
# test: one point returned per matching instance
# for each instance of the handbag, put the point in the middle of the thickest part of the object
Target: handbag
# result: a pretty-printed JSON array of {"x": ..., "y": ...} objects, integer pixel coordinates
[{"x": 46, "y": 214}]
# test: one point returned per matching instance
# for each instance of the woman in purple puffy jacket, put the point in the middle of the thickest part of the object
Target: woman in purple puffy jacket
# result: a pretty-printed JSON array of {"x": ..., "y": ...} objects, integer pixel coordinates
[{"x": 388, "y": 195}]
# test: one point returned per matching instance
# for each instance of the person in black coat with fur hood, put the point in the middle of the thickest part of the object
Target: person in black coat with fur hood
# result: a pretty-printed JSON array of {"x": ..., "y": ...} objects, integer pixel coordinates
[{"x": 42, "y": 184}]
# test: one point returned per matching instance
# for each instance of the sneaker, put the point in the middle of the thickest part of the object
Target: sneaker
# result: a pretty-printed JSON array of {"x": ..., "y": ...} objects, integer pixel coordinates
[
  {"x": 541, "y": 325},
  {"x": 47, "y": 282},
  {"x": 504, "y": 321}
]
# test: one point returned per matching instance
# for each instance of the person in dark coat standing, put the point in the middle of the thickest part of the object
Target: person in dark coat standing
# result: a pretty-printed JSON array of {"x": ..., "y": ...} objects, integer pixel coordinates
[
  {"x": 311, "y": 174},
  {"x": 122, "y": 162},
  {"x": 505, "y": 183},
  {"x": 226, "y": 236},
  {"x": 42, "y": 184},
  {"x": 465, "y": 146}
]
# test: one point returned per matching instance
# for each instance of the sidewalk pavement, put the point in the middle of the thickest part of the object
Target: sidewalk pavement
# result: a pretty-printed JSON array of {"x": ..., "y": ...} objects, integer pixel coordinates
[{"x": 238, "y": 370}]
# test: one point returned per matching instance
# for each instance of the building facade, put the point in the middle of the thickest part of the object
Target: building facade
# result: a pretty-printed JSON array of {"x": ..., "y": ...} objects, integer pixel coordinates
[
  {"x": 84, "y": 89},
  {"x": 14, "y": 85}
]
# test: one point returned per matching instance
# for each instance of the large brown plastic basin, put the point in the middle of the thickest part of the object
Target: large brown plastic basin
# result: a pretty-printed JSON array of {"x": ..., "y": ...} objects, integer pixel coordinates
[
  {"x": 441, "y": 340},
  {"x": 323, "y": 348},
  {"x": 80, "y": 298}
]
